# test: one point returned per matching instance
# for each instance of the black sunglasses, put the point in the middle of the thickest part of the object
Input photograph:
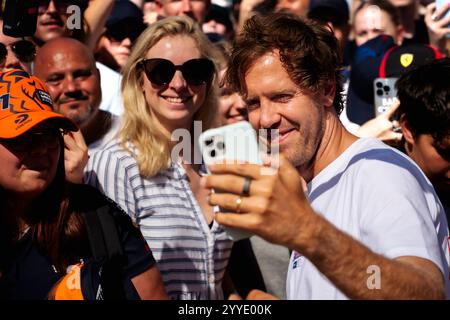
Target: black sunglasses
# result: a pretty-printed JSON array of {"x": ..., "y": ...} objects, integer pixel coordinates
[
  {"x": 28, "y": 141},
  {"x": 60, "y": 5},
  {"x": 24, "y": 50},
  {"x": 121, "y": 31},
  {"x": 195, "y": 71}
]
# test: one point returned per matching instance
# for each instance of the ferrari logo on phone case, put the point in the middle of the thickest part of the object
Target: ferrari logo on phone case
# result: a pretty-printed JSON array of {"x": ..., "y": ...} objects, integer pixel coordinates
[{"x": 406, "y": 59}]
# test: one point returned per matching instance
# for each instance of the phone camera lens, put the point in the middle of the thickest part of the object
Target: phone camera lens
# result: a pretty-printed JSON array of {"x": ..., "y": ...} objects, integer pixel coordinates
[
  {"x": 220, "y": 145},
  {"x": 379, "y": 92},
  {"x": 212, "y": 153},
  {"x": 379, "y": 85},
  {"x": 208, "y": 142},
  {"x": 386, "y": 88}
]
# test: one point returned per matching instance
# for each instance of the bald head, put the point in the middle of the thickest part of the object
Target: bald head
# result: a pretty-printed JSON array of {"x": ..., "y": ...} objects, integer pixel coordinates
[
  {"x": 55, "y": 48},
  {"x": 68, "y": 68}
]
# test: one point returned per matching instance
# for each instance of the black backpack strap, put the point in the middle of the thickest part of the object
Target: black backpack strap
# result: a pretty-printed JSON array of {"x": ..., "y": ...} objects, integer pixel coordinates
[{"x": 107, "y": 251}]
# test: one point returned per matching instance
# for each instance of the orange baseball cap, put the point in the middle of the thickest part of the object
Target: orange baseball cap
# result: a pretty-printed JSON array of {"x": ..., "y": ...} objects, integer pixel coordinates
[{"x": 24, "y": 103}]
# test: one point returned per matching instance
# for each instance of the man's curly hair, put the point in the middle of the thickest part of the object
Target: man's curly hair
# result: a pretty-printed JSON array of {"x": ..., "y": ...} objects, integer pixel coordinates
[{"x": 309, "y": 52}]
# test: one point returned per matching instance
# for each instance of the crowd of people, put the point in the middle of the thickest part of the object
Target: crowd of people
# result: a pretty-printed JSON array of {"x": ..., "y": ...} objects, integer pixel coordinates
[{"x": 94, "y": 185}]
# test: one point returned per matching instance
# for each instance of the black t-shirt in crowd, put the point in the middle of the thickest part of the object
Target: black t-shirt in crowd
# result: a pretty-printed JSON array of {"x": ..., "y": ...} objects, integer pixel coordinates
[{"x": 30, "y": 275}]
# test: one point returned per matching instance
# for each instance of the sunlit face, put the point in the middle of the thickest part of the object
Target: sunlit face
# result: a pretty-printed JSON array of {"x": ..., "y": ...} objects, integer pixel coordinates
[
  {"x": 52, "y": 19},
  {"x": 73, "y": 82},
  {"x": 299, "y": 7},
  {"x": 173, "y": 105},
  {"x": 195, "y": 9},
  {"x": 29, "y": 172},
  {"x": 370, "y": 22},
  {"x": 232, "y": 107},
  {"x": 433, "y": 159},
  {"x": 11, "y": 61},
  {"x": 274, "y": 101}
]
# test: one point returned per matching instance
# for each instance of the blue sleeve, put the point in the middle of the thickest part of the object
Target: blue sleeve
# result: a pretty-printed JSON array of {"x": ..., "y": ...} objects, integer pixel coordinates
[{"x": 138, "y": 256}]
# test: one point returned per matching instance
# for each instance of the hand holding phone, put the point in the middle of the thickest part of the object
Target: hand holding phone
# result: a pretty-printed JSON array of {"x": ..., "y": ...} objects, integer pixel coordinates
[
  {"x": 441, "y": 5},
  {"x": 234, "y": 143},
  {"x": 19, "y": 17}
]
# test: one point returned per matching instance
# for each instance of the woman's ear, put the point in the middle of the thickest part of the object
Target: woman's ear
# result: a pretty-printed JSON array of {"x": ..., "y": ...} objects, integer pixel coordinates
[{"x": 141, "y": 79}]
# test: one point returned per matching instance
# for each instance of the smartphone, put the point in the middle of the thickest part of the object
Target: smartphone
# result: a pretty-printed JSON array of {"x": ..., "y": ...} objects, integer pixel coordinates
[
  {"x": 440, "y": 4},
  {"x": 230, "y": 144},
  {"x": 19, "y": 17},
  {"x": 384, "y": 94}
]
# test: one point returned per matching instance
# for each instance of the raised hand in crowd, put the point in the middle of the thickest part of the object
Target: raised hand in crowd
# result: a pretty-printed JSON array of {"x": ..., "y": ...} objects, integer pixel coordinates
[
  {"x": 96, "y": 15},
  {"x": 438, "y": 24},
  {"x": 245, "y": 11},
  {"x": 75, "y": 156},
  {"x": 383, "y": 127}
]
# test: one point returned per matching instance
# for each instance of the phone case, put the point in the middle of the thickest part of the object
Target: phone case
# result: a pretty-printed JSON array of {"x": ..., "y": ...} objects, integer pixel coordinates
[
  {"x": 384, "y": 94},
  {"x": 229, "y": 144}
]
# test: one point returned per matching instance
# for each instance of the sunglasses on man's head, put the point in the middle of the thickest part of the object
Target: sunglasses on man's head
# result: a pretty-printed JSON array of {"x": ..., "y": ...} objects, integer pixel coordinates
[
  {"x": 24, "y": 50},
  {"x": 195, "y": 71},
  {"x": 28, "y": 141}
]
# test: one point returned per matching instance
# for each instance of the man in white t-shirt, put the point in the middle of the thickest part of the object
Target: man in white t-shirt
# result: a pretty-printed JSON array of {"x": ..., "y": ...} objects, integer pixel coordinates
[
  {"x": 367, "y": 223},
  {"x": 110, "y": 86},
  {"x": 68, "y": 68}
]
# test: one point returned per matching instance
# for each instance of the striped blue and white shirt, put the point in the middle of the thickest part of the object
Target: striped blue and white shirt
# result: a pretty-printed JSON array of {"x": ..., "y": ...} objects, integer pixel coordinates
[{"x": 191, "y": 256}]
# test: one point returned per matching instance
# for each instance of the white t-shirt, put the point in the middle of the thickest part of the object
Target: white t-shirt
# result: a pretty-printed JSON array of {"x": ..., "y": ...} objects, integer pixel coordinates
[
  {"x": 110, "y": 85},
  {"x": 382, "y": 199},
  {"x": 110, "y": 135}
]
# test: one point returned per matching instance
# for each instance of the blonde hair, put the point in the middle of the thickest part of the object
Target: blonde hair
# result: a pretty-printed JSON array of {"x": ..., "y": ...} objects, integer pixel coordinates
[{"x": 137, "y": 124}]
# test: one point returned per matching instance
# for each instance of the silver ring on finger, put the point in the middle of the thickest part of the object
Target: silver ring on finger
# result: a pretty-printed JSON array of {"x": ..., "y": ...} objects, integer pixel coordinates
[{"x": 246, "y": 189}]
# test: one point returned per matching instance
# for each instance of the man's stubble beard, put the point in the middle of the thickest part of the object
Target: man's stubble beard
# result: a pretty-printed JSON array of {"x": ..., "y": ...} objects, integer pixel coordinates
[{"x": 82, "y": 119}]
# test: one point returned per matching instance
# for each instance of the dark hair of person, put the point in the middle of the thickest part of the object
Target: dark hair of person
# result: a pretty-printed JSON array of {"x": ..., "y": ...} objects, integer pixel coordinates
[
  {"x": 265, "y": 7},
  {"x": 424, "y": 95},
  {"x": 309, "y": 52},
  {"x": 384, "y": 5},
  {"x": 57, "y": 229}
]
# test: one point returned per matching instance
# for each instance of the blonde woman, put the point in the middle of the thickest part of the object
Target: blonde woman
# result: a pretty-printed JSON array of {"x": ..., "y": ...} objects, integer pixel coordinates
[{"x": 169, "y": 82}]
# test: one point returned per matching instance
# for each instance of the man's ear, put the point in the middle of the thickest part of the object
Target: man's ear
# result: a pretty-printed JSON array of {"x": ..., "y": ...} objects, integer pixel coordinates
[
  {"x": 328, "y": 94},
  {"x": 406, "y": 129}
]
